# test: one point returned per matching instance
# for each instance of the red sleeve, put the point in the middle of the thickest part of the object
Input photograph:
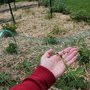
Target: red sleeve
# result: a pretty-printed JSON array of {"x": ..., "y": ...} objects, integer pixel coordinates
[{"x": 41, "y": 79}]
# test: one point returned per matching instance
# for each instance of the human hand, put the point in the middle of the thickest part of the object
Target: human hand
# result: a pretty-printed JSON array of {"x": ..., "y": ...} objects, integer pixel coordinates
[{"x": 55, "y": 64}]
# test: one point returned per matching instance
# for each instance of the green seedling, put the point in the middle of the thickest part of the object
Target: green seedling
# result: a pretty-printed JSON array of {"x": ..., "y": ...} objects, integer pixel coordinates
[{"x": 12, "y": 48}]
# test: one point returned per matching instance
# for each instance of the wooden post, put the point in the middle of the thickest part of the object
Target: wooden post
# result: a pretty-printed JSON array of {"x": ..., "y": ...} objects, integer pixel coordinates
[
  {"x": 50, "y": 6},
  {"x": 39, "y": 1},
  {"x": 11, "y": 13},
  {"x": 15, "y": 6}
]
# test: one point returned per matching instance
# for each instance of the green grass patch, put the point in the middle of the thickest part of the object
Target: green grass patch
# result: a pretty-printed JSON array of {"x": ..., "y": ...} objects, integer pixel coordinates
[
  {"x": 79, "y": 9},
  {"x": 50, "y": 40},
  {"x": 7, "y": 80},
  {"x": 72, "y": 79}
]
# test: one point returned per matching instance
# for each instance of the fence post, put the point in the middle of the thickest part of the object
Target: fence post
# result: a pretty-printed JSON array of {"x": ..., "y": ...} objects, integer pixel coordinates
[
  {"x": 50, "y": 6},
  {"x": 11, "y": 13}
]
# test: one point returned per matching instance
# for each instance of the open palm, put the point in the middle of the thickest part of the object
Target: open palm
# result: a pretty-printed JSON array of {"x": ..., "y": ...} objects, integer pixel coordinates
[{"x": 56, "y": 63}]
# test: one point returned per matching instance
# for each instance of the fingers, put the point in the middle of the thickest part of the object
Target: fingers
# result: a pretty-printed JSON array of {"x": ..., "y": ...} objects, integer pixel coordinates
[
  {"x": 70, "y": 52},
  {"x": 48, "y": 54},
  {"x": 64, "y": 51},
  {"x": 69, "y": 57},
  {"x": 72, "y": 60},
  {"x": 67, "y": 49}
]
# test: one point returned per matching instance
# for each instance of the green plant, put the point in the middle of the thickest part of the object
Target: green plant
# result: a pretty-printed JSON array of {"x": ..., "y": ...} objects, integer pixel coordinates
[
  {"x": 57, "y": 6},
  {"x": 11, "y": 28},
  {"x": 71, "y": 80},
  {"x": 12, "y": 48},
  {"x": 50, "y": 40},
  {"x": 4, "y": 78}
]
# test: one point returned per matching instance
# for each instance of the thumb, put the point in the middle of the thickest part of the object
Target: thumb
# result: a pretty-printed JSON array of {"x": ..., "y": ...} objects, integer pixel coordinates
[{"x": 48, "y": 54}]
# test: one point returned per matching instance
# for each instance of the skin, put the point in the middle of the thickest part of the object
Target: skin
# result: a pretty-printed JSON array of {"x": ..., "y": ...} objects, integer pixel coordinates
[{"x": 55, "y": 63}]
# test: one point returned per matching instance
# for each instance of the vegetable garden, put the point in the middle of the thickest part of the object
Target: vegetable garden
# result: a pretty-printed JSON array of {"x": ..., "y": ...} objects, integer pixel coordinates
[{"x": 35, "y": 26}]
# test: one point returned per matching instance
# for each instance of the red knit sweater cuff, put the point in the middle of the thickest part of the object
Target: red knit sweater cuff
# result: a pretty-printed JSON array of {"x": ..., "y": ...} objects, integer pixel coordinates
[{"x": 43, "y": 75}]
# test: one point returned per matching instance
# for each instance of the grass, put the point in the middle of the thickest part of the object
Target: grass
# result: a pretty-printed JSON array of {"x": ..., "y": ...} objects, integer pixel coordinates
[
  {"x": 26, "y": 67},
  {"x": 73, "y": 79},
  {"x": 6, "y": 80},
  {"x": 78, "y": 9},
  {"x": 76, "y": 5}
]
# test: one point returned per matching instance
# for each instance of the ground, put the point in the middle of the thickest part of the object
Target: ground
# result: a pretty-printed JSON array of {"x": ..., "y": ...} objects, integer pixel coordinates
[{"x": 32, "y": 27}]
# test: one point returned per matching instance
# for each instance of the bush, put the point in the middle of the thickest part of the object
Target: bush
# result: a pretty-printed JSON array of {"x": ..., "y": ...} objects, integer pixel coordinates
[
  {"x": 57, "y": 6},
  {"x": 12, "y": 48}
]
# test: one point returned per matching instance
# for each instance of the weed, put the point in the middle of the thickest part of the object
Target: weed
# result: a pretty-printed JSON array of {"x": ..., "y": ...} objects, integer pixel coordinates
[
  {"x": 12, "y": 48},
  {"x": 50, "y": 40},
  {"x": 11, "y": 28}
]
